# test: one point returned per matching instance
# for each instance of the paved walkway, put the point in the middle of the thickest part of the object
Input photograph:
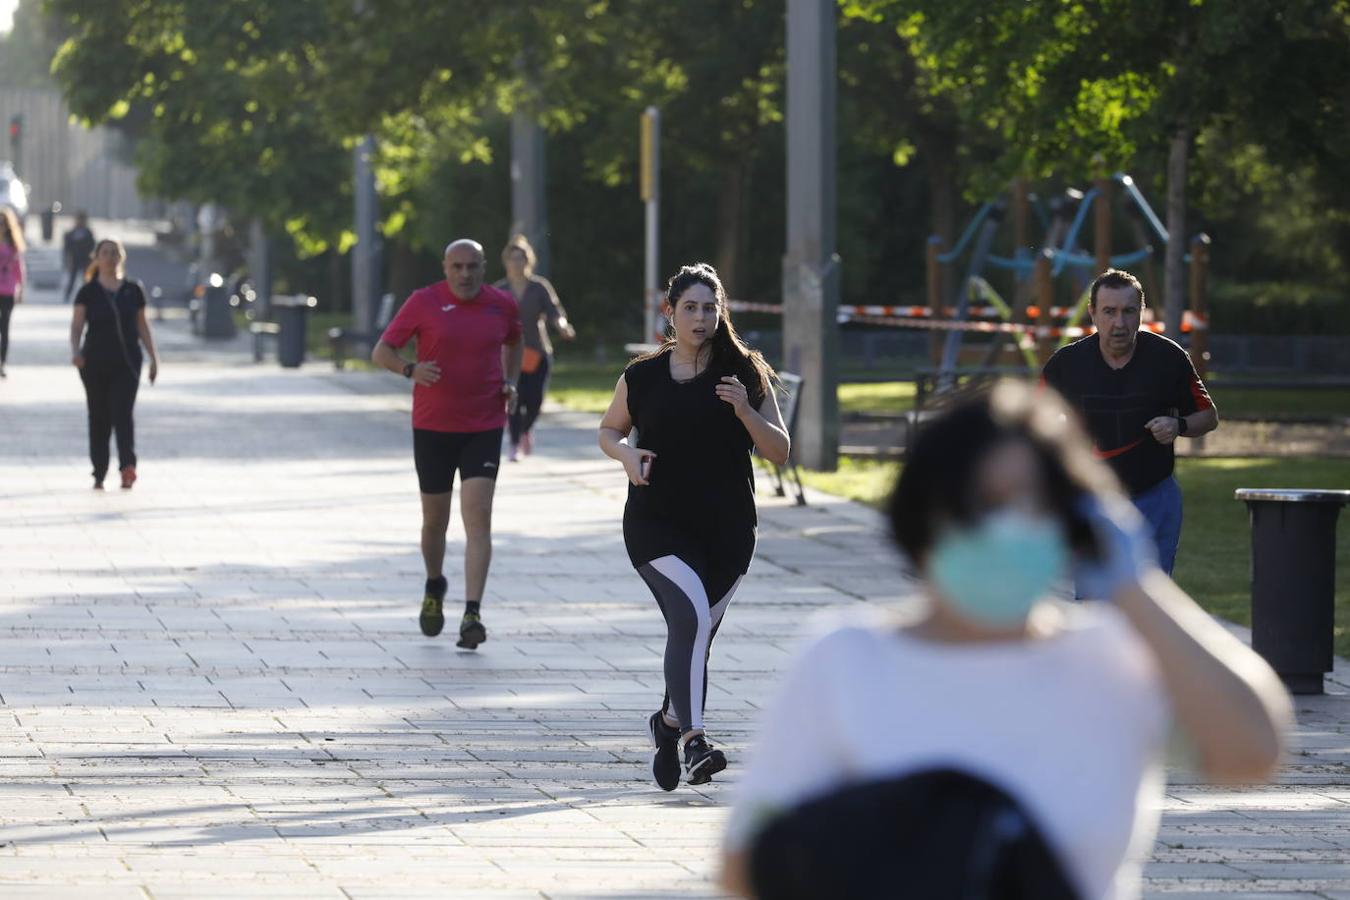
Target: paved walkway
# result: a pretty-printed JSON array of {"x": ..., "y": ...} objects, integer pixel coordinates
[{"x": 214, "y": 686}]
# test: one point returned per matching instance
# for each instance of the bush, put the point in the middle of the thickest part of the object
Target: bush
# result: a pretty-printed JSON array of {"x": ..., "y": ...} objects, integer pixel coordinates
[{"x": 1278, "y": 308}]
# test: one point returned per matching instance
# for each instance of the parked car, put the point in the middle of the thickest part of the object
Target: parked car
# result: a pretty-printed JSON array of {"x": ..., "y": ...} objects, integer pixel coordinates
[{"x": 12, "y": 191}]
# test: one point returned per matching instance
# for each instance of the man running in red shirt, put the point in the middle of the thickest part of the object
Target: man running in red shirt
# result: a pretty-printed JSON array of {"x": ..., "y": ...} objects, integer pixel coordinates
[{"x": 464, "y": 382}]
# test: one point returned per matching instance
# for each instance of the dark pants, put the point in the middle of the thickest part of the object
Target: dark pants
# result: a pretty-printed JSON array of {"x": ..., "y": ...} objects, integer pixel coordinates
[
  {"x": 75, "y": 273},
  {"x": 6, "y": 310},
  {"x": 529, "y": 399},
  {"x": 111, "y": 394}
]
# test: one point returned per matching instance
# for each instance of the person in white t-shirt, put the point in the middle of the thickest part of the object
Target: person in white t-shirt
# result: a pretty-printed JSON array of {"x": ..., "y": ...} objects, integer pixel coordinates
[{"x": 1066, "y": 708}]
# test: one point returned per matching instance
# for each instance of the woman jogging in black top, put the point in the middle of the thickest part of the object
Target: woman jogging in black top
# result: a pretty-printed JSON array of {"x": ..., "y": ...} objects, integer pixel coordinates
[
  {"x": 112, "y": 309},
  {"x": 700, "y": 404}
]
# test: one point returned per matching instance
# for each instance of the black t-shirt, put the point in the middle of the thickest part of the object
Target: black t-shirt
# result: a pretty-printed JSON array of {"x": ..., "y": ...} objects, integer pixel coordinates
[
  {"x": 111, "y": 340},
  {"x": 702, "y": 474},
  {"x": 79, "y": 246},
  {"x": 1116, "y": 404}
]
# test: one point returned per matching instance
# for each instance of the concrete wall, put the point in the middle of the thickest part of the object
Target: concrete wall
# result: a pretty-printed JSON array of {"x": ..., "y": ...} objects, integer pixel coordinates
[{"x": 62, "y": 161}]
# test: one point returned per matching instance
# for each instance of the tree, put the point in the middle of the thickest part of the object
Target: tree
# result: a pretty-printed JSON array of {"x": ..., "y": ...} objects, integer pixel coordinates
[{"x": 1068, "y": 87}]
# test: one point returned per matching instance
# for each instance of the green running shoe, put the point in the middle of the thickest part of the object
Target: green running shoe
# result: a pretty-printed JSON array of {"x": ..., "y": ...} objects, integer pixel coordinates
[
  {"x": 471, "y": 631},
  {"x": 432, "y": 619}
]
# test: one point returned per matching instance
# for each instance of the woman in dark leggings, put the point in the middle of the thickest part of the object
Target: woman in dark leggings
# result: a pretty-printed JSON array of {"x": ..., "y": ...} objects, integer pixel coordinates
[
  {"x": 106, "y": 334},
  {"x": 700, "y": 404},
  {"x": 538, "y": 304},
  {"x": 11, "y": 276}
]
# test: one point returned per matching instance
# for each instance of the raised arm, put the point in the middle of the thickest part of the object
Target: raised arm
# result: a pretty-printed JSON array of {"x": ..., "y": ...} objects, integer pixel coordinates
[{"x": 1227, "y": 701}]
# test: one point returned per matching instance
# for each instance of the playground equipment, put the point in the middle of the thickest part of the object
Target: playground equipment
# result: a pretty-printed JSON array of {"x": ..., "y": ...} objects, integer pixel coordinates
[
  {"x": 1039, "y": 274},
  {"x": 1032, "y": 323}
]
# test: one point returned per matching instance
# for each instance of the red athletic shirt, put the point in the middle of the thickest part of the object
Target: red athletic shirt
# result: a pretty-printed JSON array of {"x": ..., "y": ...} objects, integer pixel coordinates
[{"x": 465, "y": 338}]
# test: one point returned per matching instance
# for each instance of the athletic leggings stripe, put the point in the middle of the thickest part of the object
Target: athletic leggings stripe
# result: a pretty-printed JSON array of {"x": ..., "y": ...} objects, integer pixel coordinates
[{"x": 690, "y": 624}]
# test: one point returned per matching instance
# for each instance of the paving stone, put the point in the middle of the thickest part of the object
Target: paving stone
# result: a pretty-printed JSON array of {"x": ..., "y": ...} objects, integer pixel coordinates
[{"x": 214, "y": 686}]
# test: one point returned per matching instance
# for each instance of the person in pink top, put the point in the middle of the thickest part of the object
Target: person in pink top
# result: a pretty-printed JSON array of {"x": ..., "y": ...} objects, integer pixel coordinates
[
  {"x": 469, "y": 351},
  {"x": 11, "y": 276}
]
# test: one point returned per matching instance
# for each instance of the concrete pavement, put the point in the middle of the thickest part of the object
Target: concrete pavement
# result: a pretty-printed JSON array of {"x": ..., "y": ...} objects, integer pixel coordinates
[{"x": 214, "y": 685}]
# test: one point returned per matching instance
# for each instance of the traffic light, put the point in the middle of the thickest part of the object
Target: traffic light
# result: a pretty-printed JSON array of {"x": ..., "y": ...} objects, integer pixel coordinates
[{"x": 15, "y": 129}]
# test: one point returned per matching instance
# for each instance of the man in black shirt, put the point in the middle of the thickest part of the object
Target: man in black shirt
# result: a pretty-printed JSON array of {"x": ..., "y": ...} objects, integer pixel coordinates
[
  {"x": 1137, "y": 393},
  {"x": 79, "y": 250}
]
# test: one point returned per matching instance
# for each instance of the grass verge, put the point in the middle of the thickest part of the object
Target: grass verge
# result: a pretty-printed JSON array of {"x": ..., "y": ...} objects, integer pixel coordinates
[{"x": 1214, "y": 562}]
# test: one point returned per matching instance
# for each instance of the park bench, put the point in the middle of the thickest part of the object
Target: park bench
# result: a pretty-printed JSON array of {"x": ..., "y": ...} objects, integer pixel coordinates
[
  {"x": 341, "y": 340},
  {"x": 792, "y": 389}
]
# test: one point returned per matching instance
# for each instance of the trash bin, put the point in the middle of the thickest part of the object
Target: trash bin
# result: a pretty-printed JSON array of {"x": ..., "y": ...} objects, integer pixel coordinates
[
  {"x": 1294, "y": 581},
  {"x": 49, "y": 222},
  {"x": 292, "y": 314},
  {"x": 217, "y": 317}
]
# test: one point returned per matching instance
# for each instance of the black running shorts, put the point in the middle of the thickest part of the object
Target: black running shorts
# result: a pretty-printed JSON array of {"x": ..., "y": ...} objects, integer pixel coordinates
[{"x": 438, "y": 454}]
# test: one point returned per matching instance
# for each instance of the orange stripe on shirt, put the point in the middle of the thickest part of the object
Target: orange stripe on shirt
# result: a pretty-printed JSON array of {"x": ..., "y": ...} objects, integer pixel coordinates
[{"x": 1107, "y": 454}]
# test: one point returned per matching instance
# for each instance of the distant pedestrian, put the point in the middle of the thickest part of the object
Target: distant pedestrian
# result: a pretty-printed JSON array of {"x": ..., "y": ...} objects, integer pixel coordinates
[
  {"x": 107, "y": 331},
  {"x": 464, "y": 383},
  {"x": 1137, "y": 392},
  {"x": 701, "y": 403},
  {"x": 539, "y": 307},
  {"x": 11, "y": 276},
  {"x": 984, "y": 739},
  {"x": 78, "y": 247}
]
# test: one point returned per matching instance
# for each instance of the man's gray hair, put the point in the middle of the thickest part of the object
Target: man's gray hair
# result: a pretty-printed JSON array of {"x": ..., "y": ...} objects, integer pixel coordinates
[{"x": 465, "y": 242}]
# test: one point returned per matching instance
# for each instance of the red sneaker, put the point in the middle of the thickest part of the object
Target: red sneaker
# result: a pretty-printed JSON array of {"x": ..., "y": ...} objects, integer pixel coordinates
[{"x": 128, "y": 477}]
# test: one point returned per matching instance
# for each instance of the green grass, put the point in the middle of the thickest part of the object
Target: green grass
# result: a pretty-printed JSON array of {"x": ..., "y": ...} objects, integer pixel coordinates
[
  {"x": 1250, "y": 403},
  {"x": 1214, "y": 562},
  {"x": 857, "y": 478}
]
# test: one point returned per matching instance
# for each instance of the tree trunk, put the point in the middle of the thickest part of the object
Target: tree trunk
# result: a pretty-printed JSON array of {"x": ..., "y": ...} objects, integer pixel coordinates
[
  {"x": 404, "y": 271},
  {"x": 1174, "y": 273},
  {"x": 730, "y": 227}
]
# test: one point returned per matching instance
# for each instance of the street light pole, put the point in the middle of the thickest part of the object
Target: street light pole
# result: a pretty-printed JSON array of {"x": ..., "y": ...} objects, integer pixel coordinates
[
  {"x": 811, "y": 267},
  {"x": 366, "y": 253},
  {"x": 650, "y": 184}
]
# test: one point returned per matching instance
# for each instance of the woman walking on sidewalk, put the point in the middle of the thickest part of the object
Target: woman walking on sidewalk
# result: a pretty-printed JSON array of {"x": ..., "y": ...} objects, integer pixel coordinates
[
  {"x": 539, "y": 307},
  {"x": 11, "y": 276},
  {"x": 107, "y": 331},
  {"x": 700, "y": 403}
]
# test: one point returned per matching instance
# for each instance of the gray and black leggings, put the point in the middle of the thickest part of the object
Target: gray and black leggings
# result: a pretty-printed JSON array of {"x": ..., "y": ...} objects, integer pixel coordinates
[{"x": 693, "y": 606}]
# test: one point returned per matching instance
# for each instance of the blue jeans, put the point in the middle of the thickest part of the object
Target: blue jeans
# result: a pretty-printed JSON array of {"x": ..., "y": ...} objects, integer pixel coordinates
[{"x": 1161, "y": 508}]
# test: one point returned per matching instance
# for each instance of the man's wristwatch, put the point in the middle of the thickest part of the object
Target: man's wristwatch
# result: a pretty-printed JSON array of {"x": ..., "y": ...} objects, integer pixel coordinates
[
  {"x": 1181, "y": 425},
  {"x": 408, "y": 369}
]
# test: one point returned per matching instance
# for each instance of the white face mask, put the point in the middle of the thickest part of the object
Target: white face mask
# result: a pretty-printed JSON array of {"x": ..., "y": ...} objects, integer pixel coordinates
[{"x": 994, "y": 571}]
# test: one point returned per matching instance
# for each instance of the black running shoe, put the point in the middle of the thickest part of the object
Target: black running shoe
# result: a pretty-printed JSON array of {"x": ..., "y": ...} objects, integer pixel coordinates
[
  {"x": 432, "y": 619},
  {"x": 665, "y": 752},
  {"x": 471, "y": 631},
  {"x": 702, "y": 760}
]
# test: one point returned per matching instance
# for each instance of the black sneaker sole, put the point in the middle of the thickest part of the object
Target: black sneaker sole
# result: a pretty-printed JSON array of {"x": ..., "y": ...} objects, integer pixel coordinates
[
  {"x": 667, "y": 776},
  {"x": 707, "y": 767},
  {"x": 432, "y": 624},
  {"x": 471, "y": 636}
]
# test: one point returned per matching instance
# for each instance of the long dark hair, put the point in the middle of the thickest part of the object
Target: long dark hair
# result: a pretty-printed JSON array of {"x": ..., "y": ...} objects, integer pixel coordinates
[
  {"x": 12, "y": 232},
  {"x": 728, "y": 351},
  {"x": 935, "y": 487}
]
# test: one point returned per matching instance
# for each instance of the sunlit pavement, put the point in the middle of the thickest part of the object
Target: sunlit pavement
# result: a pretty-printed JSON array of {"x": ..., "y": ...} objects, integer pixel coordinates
[{"x": 214, "y": 684}]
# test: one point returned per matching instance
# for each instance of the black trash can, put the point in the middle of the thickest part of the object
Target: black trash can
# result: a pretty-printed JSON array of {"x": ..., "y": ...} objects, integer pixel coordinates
[
  {"x": 1294, "y": 581},
  {"x": 292, "y": 314},
  {"x": 217, "y": 317},
  {"x": 49, "y": 222}
]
